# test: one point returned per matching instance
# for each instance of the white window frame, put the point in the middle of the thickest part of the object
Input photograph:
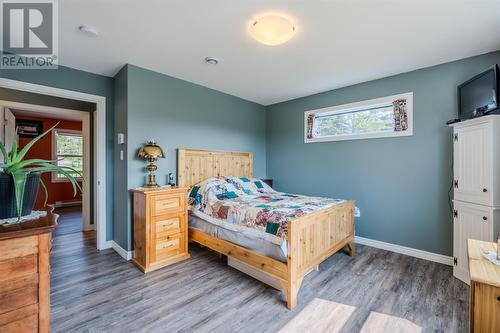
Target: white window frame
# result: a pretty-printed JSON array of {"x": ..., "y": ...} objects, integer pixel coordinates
[
  {"x": 361, "y": 105},
  {"x": 56, "y": 131}
]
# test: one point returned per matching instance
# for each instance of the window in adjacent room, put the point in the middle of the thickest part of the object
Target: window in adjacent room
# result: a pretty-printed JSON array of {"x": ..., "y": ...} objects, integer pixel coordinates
[
  {"x": 377, "y": 118},
  {"x": 68, "y": 151}
]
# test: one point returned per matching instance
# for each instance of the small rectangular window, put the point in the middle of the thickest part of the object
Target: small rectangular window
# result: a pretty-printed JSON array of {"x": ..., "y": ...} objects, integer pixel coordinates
[
  {"x": 68, "y": 151},
  {"x": 377, "y": 118}
]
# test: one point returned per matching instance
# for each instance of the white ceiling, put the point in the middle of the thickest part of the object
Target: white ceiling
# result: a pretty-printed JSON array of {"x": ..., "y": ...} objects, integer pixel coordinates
[{"x": 338, "y": 42}]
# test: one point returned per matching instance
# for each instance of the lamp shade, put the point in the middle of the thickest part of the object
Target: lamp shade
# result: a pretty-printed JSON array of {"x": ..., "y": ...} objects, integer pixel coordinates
[{"x": 151, "y": 151}]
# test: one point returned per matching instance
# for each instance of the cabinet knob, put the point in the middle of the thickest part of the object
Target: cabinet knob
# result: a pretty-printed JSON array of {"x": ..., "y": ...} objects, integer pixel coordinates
[
  {"x": 498, "y": 298},
  {"x": 485, "y": 190},
  {"x": 485, "y": 218}
]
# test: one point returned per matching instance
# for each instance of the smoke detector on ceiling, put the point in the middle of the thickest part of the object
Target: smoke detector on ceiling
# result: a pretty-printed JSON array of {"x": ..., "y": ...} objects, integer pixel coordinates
[
  {"x": 89, "y": 31},
  {"x": 211, "y": 60}
]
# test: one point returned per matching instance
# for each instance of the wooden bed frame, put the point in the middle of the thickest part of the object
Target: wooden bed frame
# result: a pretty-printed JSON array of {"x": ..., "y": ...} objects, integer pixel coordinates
[{"x": 312, "y": 238}]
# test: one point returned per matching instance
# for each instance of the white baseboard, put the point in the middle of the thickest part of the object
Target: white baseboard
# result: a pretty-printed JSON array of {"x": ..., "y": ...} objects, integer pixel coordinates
[
  {"x": 439, "y": 258},
  {"x": 107, "y": 245},
  {"x": 127, "y": 255},
  {"x": 60, "y": 204}
]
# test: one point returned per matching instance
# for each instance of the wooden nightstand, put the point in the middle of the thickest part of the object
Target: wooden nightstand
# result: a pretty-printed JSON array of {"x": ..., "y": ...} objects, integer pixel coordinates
[
  {"x": 484, "y": 288},
  {"x": 160, "y": 227}
]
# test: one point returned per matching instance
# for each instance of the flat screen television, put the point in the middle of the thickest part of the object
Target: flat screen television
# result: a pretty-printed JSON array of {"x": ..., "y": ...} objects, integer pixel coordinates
[{"x": 479, "y": 95}]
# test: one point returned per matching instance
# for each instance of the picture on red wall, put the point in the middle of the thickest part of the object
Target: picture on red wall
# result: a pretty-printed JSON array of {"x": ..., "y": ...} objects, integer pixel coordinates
[{"x": 29, "y": 128}]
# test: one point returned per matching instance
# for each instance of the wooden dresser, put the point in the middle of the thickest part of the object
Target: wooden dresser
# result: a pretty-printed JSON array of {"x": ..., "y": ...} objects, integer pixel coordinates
[
  {"x": 484, "y": 288},
  {"x": 25, "y": 275},
  {"x": 160, "y": 227}
]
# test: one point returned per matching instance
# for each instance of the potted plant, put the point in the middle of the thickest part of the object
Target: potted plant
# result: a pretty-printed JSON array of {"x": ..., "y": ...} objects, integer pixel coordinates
[{"x": 20, "y": 178}]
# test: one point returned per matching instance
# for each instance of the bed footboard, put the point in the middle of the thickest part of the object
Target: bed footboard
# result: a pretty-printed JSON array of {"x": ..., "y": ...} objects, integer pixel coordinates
[{"x": 313, "y": 238}]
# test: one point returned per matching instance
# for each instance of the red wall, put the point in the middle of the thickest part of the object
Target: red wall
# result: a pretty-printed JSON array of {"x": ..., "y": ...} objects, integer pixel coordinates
[{"x": 61, "y": 191}]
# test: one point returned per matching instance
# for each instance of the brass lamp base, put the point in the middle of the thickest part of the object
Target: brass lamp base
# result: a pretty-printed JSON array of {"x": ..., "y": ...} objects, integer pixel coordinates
[
  {"x": 152, "y": 181},
  {"x": 151, "y": 176}
]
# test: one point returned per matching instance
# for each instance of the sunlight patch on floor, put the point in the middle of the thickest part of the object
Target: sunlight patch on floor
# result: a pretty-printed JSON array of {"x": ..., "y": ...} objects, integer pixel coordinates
[
  {"x": 326, "y": 316},
  {"x": 320, "y": 316},
  {"x": 380, "y": 322}
]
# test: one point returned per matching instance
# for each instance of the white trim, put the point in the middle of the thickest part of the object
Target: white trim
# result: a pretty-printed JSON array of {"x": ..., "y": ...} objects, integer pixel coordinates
[
  {"x": 358, "y": 105},
  {"x": 439, "y": 258},
  {"x": 111, "y": 244},
  {"x": 127, "y": 255},
  {"x": 99, "y": 143}
]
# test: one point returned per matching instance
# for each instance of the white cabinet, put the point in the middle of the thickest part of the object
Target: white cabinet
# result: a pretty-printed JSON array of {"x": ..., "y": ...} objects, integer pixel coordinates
[
  {"x": 476, "y": 160},
  {"x": 471, "y": 221},
  {"x": 476, "y": 186},
  {"x": 472, "y": 163}
]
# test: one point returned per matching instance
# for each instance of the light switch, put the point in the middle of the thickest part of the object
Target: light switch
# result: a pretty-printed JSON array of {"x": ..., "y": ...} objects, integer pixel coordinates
[{"x": 121, "y": 138}]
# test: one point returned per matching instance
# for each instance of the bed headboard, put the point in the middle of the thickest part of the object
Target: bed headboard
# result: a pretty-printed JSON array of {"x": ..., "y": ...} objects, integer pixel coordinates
[{"x": 195, "y": 165}]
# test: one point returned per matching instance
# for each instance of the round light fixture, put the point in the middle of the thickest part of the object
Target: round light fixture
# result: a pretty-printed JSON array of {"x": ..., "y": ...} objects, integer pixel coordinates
[
  {"x": 272, "y": 30},
  {"x": 211, "y": 60}
]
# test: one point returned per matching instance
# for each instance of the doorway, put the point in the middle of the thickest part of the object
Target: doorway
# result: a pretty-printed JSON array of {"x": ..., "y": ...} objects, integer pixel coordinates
[
  {"x": 99, "y": 153},
  {"x": 68, "y": 144}
]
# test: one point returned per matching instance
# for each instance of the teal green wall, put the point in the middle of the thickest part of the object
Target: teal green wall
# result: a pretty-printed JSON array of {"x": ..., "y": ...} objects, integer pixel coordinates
[
  {"x": 400, "y": 184},
  {"x": 182, "y": 114},
  {"x": 72, "y": 79},
  {"x": 121, "y": 209}
]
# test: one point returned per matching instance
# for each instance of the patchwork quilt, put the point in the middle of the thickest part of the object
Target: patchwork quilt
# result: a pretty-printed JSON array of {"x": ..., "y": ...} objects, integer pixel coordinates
[{"x": 251, "y": 203}]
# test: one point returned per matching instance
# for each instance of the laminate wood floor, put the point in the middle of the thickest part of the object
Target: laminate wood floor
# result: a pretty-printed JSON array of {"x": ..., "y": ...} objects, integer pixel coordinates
[
  {"x": 96, "y": 291},
  {"x": 70, "y": 220}
]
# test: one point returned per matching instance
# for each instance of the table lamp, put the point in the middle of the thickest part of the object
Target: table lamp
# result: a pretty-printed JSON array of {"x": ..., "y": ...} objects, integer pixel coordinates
[{"x": 151, "y": 152}]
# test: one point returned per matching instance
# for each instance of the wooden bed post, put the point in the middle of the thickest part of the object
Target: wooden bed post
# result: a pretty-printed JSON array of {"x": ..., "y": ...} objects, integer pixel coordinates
[
  {"x": 294, "y": 281},
  {"x": 314, "y": 237}
]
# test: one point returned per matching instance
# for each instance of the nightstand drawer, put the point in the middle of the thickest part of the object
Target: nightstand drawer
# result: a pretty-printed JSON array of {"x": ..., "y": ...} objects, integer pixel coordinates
[
  {"x": 164, "y": 204},
  {"x": 167, "y": 225},
  {"x": 168, "y": 246}
]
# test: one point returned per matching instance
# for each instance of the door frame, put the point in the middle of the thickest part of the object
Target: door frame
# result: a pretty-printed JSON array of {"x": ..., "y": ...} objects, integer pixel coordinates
[
  {"x": 99, "y": 166},
  {"x": 82, "y": 116}
]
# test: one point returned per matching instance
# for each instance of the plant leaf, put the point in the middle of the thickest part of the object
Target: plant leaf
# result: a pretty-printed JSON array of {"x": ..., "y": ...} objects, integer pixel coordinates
[
  {"x": 66, "y": 171},
  {"x": 45, "y": 191},
  {"x": 20, "y": 165},
  {"x": 13, "y": 149},
  {"x": 19, "y": 178},
  {"x": 6, "y": 157},
  {"x": 28, "y": 146}
]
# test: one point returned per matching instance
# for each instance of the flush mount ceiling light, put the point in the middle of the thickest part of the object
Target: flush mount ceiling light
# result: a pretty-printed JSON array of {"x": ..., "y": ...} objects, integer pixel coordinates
[
  {"x": 211, "y": 60},
  {"x": 89, "y": 31},
  {"x": 272, "y": 30}
]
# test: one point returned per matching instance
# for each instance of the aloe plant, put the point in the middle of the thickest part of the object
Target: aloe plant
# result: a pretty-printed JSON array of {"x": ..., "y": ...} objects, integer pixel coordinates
[{"x": 16, "y": 166}]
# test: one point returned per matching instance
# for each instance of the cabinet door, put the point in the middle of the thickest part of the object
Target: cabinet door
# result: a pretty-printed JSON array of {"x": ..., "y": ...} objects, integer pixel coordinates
[
  {"x": 472, "y": 164},
  {"x": 469, "y": 221}
]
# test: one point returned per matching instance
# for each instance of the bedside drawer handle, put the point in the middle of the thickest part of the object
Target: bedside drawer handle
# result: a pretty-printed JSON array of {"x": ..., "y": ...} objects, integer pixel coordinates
[
  {"x": 485, "y": 218},
  {"x": 167, "y": 224},
  {"x": 167, "y": 246}
]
